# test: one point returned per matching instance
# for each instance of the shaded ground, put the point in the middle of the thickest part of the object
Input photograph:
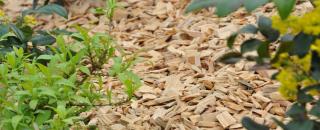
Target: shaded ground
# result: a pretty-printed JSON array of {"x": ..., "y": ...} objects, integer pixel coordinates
[{"x": 184, "y": 85}]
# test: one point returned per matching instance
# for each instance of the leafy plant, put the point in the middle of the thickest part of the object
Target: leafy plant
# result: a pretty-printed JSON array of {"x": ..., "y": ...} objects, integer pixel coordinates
[
  {"x": 34, "y": 96},
  {"x": 225, "y": 7},
  {"x": 297, "y": 59},
  {"x": 100, "y": 49},
  {"x": 111, "y": 5}
]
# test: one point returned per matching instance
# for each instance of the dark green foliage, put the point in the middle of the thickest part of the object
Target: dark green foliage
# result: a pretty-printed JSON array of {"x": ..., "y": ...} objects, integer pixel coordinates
[
  {"x": 225, "y": 7},
  {"x": 47, "y": 9},
  {"x": 18, "y": 36}
]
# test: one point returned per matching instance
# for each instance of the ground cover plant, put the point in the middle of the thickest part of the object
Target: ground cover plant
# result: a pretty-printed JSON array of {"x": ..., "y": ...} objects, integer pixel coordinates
[{"x": 52, "y": 94}]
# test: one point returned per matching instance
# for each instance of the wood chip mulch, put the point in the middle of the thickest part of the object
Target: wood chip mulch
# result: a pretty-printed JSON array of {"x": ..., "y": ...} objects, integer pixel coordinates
[{"x": 185, "y": 88}]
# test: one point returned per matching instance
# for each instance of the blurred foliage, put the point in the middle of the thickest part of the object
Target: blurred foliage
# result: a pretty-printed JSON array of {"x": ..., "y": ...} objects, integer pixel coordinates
[
  {"x": 225, "y": 7},
  {"x": 297, "y": 59}
]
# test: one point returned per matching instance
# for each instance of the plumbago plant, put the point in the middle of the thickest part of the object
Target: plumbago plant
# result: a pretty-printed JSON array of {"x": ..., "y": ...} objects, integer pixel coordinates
[
  {"x": 297, "y": 59},
  {"x": 51, "y": 96}
]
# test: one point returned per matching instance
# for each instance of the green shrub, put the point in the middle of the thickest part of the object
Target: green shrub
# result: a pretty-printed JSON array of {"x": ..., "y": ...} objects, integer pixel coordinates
[{"x": 34, "y": 96}]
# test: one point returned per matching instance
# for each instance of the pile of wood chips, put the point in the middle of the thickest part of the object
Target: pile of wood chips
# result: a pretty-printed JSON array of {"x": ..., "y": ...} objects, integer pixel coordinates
[{"x": 185, "y": 88}]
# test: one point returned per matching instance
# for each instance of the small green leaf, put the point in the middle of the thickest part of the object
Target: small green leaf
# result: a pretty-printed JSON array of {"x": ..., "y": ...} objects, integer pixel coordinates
[
  {"x": 250, "y": 45},
  {"x": 199, "y": 4},
  {"x": 45, "y": 57},
  {"x": 53, "y": 8},
  {"x": 246, "y": 29},
  {"x": 33, "y": 104},
  {"x": 225, "y": 7},
  {"x": 265, "y": 27},
  {"x": 251, "y": 5},
  {"x": 284, "y": 7},
  {"x": 249, "y": 29},
  {"x": 249, "y": 124},
  {"x": 231, "y": 40},
  {"x": 81, "y": 99},
  {"x": 85, "y": 70},
  {"x": 230, "y": 58}
]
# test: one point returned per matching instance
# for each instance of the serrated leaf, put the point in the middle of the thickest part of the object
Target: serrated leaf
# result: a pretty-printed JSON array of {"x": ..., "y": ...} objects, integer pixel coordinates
[
  {"x": 250, "y": 45},
  {"x": 284, "y": 7},
  {"x": 251, "y": 5},
  {"x": 230, "y": 58},
  {"x": 43, "y": 40},
  {"x": 53, "y": 8},
  {"x": 199, "y": 4}
]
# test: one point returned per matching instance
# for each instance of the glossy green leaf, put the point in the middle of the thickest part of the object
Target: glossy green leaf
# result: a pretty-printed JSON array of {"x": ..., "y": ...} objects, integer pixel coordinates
[
  {"x": 301, "y": 44},
  {"x": 246, "y": 29},
  {"x": 265, "y": 27},
  {"x": 17, "y": 32},
  {"x": 230, "y": 58},
  {"x": 53, "y": 8},
  {"x": 284, "y": 7},
  {"x": 43, "y": 40}
]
